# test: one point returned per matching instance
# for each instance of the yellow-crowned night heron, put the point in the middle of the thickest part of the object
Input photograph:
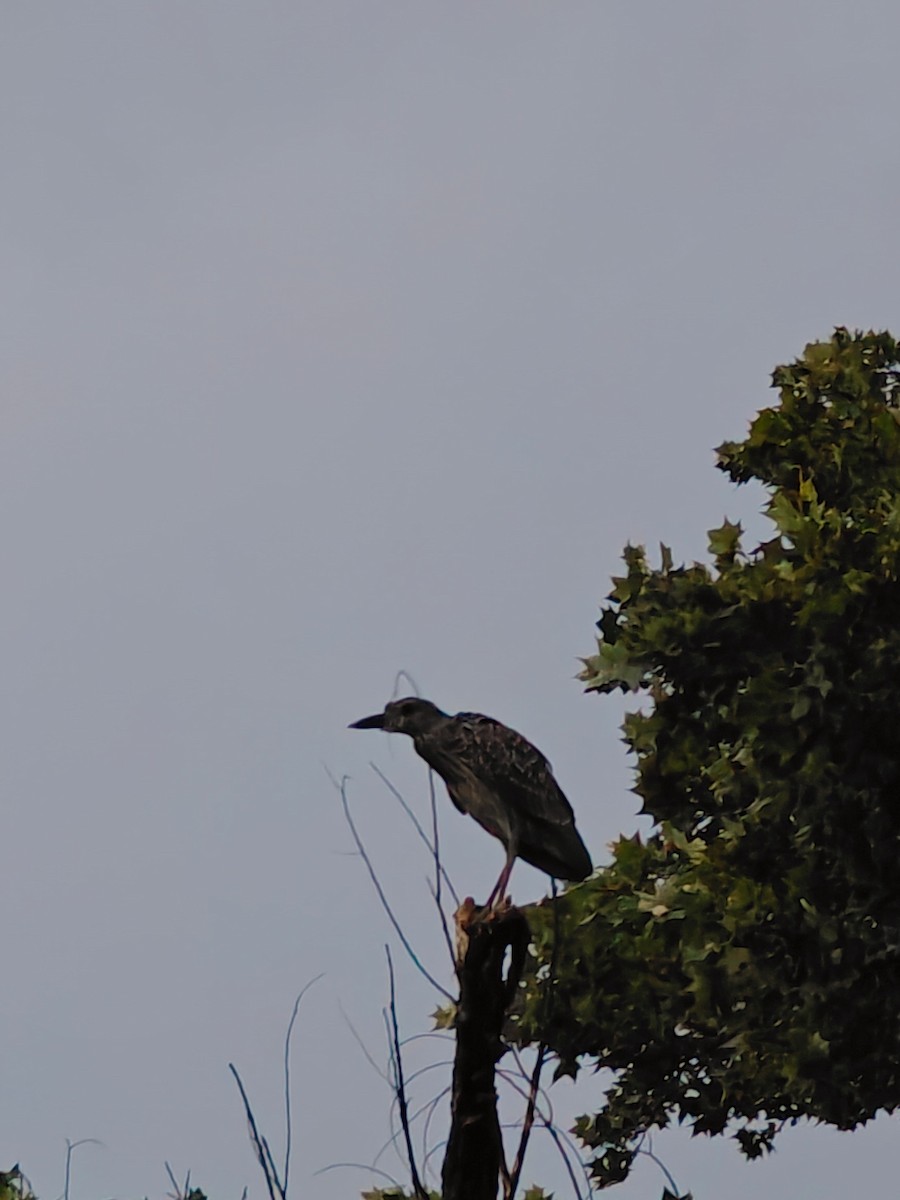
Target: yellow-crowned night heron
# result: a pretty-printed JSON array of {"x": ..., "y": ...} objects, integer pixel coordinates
[{"x": 496, "y": 776}]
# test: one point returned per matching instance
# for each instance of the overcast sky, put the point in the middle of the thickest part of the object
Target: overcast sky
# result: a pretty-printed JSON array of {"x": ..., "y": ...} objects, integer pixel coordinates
[{"x": 340, "y": 339}]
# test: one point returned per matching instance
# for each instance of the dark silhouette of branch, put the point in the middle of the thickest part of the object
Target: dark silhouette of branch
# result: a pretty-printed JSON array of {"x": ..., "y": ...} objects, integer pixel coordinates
[
  {"x": 441, "y": 1145},
  {"x": 70, "y": 1147},
  {"x": 535, "y": 1083},
  {"x": 358, "y": 1167},
  {"x": 184, "y": 1191},
  {"x": 342, "y": 788},
  {"x": 363, "y": 1047},
  {"x": 565, "y": 1145},
  {"x": 431, "y": 1109},
  {"x": 428, "y": 1108},
  {"x": 417, "y": 825},
  {"x": 439, "y": 872},
  {"x": 177, "y": 1193},
  {"x": 419, "y": 1191},
  {"x": 527, "y": 1123},
  {"x": 648, "y": 1153},
  {"x": 432, "y": 844},
  {"x": 287, "y": 1078},
  {"x": 392, "y": 1140},
  {"x": 260, "y": 1145},
  {"x": 485, "y": 938},
  {"x": 445, "y": 928},
  {"x": 401, "y": 674},
  {"x": 436, "y": 843}
]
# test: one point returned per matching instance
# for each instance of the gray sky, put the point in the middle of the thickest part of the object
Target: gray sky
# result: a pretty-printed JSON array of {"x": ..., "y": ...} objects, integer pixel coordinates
[{"x": 339, "y": 339}]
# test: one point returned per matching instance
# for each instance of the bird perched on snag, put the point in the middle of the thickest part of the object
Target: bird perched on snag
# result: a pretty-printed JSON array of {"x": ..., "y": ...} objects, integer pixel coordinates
[{"x": 496, "y": 776}]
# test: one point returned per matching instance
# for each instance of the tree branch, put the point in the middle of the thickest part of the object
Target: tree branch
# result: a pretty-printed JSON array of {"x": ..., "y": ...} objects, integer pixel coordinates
[
  {"x": 342, "y": 788},
  {"x": 419, "y": 1191}
]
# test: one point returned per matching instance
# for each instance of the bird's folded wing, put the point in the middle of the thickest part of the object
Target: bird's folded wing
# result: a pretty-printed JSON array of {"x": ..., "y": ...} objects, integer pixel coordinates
[{"x": 511, "y": 767}]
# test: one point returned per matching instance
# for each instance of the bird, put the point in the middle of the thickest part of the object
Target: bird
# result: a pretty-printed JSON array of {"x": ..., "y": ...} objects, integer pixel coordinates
[{"x": 500, "y": 779}]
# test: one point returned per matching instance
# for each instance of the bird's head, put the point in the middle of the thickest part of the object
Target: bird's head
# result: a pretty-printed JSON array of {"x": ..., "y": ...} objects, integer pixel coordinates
[{"x": 410, "y": 715}]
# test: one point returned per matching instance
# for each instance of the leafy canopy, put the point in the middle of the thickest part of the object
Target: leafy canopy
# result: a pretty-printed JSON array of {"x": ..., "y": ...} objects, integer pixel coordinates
[{"x": 741, "y": 968}]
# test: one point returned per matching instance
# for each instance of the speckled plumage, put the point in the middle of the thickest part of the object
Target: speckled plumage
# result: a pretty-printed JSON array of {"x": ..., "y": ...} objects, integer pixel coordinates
[{"x": 499, "y": 778}]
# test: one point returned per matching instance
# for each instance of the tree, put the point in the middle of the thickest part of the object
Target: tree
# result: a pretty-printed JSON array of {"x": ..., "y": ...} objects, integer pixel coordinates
[{"x": 740, "y": 968}]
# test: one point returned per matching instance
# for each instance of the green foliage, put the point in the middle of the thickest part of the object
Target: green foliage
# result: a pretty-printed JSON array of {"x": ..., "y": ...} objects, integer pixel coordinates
[
  {"x": 13, "y": 1186},
  {"x": 394, "y": 1194},
  {"x": 740, "y": 968}
]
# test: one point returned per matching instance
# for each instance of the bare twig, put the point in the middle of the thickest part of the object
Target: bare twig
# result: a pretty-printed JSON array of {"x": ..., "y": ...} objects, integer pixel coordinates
[
  {"x": 392, "y": 1140},
  {"x": 433, "y": 846},
  {"x": 564, "y": 1144},
  {"x": 419, "y": 1191},
  {"x": 439, "y": 872},
  {"x": 648, "y": 1153},
  {"x": 528, "y": 1121},
  {"x": 441, "y": 1145},
  {"x": 362, "y": 1045},
  {"x": 173, "y": 1181},
  {"x": 417, "y": 825},
  {"x": 401, "y": 674},
  {"x": 182, "y": 1191},
  {"x": 287, "y": 1079},
  {"x": 535, "y": 1083},
  {"x": 70, "y": 1147},
  {"x": 426, "y": 1125},
  {"x": 435, "y": 841},
  {"x": 342, "y": 788},
  {"x": 259, "y": 1143},
  {"x": 273, "y": 1170},
  {"x": 358, "y": 1167},
  {"x": 432, "y": 1104},
  {"x": 448, "y": 940}
]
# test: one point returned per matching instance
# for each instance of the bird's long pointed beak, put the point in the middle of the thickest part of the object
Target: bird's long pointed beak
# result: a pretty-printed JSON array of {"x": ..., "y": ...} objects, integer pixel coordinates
[{"x": 374, "y": 722}]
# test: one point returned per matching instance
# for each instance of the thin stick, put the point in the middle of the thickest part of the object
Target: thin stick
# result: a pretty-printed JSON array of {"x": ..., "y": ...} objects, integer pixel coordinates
[
  {"x": 398, "y": 796},
  {"x": 182, "y": 1191},
  {"x": 357, "y": 1167},
  {"x": 401, "y": 1087},
  {"x": 392, "y": 1140},
  {"x": 435, "y": 840},
  {"x": 362, "y": 1045},
  {"x": 527, "y": 1123},
  {"x": 440, "y": 872},
  {"x": 342, "y": 788},
  {"x": 172, "y": 1180},
  {"x": 648, "y": 1153},
  {"x": 401, "y": 674},
  {"x": 564, "y": 1144},
  {"x": 70, "y": 1146},
  {"x": 258, "y": 1142},
  {"x": 441, "y": 1145},
  {"x": 287, "y": 1078},
  {"x": 448, "y": 940},
  {"x": 535, "y": 1084},
  {"x": 272, "y": 1168},
  {"x": 426, "y": 1125}
]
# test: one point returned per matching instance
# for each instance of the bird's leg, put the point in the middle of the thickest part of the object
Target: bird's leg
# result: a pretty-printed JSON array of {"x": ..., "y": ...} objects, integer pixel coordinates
[{"x": 497, "y": 895}]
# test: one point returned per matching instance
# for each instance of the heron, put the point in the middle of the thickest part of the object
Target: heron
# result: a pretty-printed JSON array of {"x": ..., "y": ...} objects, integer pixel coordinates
[{"x": 498, "y": 777}]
